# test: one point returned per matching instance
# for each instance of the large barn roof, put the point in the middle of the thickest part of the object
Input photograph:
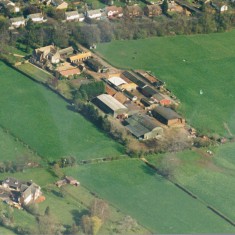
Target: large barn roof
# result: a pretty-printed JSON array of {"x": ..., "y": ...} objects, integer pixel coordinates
[
  {"x": 111, "y": 102},
  {"x": 140, "y": 124},
  {"x": 167, "y": 113}
]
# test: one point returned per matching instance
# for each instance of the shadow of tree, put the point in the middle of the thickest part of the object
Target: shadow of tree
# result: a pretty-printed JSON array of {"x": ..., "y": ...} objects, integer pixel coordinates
[{"x": 77, "y": 215}]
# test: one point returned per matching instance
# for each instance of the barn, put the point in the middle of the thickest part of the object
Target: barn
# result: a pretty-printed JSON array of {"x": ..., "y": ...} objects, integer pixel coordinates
[
  {"x": 143, "y": 126},
  {"x": 110, "y": 105},
  {"x": 167, "y": 116}
]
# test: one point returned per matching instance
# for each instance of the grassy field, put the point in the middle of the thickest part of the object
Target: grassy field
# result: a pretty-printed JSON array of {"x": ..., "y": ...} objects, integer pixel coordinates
[
  {"x": 154, "y": 202},
  {"x": 10, "y": 149},
  {"x": 42, "y": 120},
  {"x": 35, "y": 72},
  {"x": 212, "y": 179},
  {"x": 187, "y": 64}
]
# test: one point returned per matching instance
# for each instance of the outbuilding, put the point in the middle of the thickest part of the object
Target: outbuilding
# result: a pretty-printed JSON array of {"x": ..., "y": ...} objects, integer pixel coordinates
[
  {"x": 167, "y": 116},
  {"x": 143, "y": 127},
  {"x": 110, "y": 105}
]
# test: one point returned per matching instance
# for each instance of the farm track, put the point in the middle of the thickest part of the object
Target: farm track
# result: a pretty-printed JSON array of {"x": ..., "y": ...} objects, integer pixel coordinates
[{"x": 191, "y": 194}]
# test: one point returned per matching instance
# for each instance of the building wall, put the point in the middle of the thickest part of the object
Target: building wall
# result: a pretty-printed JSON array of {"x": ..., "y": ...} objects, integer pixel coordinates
[{"x": 176, "y": 122}]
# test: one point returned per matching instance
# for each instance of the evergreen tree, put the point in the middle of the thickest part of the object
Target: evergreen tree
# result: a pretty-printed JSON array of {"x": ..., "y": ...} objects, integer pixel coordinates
[{"x": 165, "y": 7}]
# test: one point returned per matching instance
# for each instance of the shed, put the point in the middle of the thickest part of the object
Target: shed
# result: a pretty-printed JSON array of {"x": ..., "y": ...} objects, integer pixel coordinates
[
  {"x": 143, "y": 126},
  {"x": 110, "y": 105},
  {"x": 168, "y": 116}
]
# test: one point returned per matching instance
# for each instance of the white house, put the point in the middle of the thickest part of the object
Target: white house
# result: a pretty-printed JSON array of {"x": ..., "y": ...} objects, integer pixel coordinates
[
  {"x": 17, "y": 22},
  {"x": 94, "y": 14},
  {"x": 74, "y": 16},
  {"x": 36, "y": 18}
]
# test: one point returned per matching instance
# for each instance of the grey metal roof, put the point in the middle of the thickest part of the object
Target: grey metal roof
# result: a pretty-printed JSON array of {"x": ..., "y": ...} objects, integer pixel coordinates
[
  {"x": 140, "y": 124},
  {"x": 167, "y": 113},
  {"x": 111, "y": 102}
]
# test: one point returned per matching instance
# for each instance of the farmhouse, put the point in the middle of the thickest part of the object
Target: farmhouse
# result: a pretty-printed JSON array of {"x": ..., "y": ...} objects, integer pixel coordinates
[
  {"x": 110, "y": 105},
  {"x": 74, "y": 16},
  {"x": 80, "y": 57},
  {"x": 167, "y": 116},
  {"x": 46, "y": 54},
  {"x": 152, "y": 10},
  {"x": 17, "y": 22},
  {"x": 23, "y": 192},
  {"x": 143, "y": 126},
  {"x": 36, "y": 18}
]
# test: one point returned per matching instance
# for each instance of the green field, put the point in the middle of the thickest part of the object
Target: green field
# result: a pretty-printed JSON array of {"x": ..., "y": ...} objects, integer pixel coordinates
[
  {"x": 11, "y": 149},
  {"x": 154, "y": 202},
  {"x": 212, "y": 179},
  {"x": 35, "y": 72},
  {"x": 208, "y": 66},
  {"x": 42, "y": 120}
]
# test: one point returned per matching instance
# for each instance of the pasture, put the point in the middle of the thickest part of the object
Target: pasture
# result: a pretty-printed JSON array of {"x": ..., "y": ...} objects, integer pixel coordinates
[
  {"x": 154, "y": 202},
  {"x": 43, "y": 120},
  {"x": 211, "y": 178},
  {"x": 11, "y": 149},
  {"x": 187, "y": 64}
]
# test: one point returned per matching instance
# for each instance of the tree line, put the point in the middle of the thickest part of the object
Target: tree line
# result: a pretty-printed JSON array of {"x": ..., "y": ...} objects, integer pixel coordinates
[{"x": 65, "y": 34}]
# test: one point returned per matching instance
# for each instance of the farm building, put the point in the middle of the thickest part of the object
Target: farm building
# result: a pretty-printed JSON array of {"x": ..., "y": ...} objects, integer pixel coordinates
[
  {"x": 123, "y": 84},
  {"x": 80, "y": 57},
  {"x": 96, "y": 66},
  {"x": 132, "y": 77},
  {"x": 143, "y": 126},
  {"x": 116, "y": 81},
  {"x": 164, "y": 101},
  {"x": 167, "y": 116},
  {"x": 147, "y": 104},
  {"x": 130, "y": 96},
  {"x": 110, "y": 105},
  {"x": 64, "y": 53},
  {"x": 148, "y": 77},
  {"x": 25, "y": 192},
  {"x": 147, "y": 91}
]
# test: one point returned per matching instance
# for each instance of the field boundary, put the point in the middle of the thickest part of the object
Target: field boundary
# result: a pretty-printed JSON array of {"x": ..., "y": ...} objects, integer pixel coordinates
[{"x": 191, "y": 194}]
